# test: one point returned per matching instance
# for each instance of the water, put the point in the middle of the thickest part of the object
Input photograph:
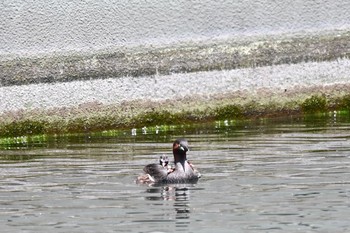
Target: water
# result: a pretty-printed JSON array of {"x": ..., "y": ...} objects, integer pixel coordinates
[{"x": 280, "y": 175}]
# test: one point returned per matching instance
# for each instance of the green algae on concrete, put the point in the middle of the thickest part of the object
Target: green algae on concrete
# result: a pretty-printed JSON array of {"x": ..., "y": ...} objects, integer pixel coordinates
[
  {"x": 344, "y": 102},
  {"x": 23, "y": 127},
  {"x": 314, "y": 104},
  {"x": 100, "y": 118},
  {"x": 228, "y": 112}
]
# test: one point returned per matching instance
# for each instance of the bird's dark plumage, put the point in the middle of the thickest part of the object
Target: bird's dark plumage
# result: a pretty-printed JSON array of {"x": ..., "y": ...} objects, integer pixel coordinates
[{"x": 182, "y": 173}]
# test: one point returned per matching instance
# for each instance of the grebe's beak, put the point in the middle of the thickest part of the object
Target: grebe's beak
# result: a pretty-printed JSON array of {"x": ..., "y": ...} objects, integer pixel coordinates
[{"x": 184, "y": 148}]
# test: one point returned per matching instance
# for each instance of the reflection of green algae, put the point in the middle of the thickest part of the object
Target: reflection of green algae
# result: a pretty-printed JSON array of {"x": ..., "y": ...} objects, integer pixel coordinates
[
  {"x": 16, "y": 157},
  {"x": 21, "y": 142}
]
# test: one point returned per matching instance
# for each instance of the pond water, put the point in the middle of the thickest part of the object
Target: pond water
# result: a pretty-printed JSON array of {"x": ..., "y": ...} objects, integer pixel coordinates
[{"x": 276, "y": 175}]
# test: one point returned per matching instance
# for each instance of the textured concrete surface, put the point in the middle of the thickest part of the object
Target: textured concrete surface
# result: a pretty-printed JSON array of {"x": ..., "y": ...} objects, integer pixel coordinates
[
  {"x": 179, "y": 58},
  {"x": 270, "y": 71},
  {"x": 44, "y": 26},
  {"x": 248, "y": 82}
]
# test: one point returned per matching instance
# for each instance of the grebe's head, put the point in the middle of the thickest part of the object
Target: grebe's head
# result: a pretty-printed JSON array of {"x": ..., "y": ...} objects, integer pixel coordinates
[
  {"x": 180, "y": 147},
  {"x": 163, "y": 160}
]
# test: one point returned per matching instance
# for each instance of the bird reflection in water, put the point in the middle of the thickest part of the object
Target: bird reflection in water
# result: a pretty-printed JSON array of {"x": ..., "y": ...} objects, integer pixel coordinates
[{"x": 180, "y": 194}]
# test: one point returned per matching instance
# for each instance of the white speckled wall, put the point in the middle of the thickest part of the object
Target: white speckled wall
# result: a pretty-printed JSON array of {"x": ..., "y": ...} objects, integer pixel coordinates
[
  {"x": 300, "y": 58},
  {"x": 41, "y": 26},
  {"x": 157, "y": 88}
]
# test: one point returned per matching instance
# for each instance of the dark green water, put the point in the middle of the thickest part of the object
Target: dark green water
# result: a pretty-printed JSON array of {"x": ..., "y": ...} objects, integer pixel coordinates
[{"x": 277, "y": 175}]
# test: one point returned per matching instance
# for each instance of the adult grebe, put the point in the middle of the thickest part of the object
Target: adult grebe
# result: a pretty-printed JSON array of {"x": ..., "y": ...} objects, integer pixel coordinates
[{"x": 183, "y": 172}]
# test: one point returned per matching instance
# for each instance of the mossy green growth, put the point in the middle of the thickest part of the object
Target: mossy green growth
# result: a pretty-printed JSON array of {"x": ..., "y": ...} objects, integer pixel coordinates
[
  {"x": 99, "y": 119},
  {"x": 158, "y": 118},
  {"x": 228, "y": 112},
  {"x": 23, "y": 128},
  {"x": 314, "y": 104},
  {"x": 345, "y": 102}
]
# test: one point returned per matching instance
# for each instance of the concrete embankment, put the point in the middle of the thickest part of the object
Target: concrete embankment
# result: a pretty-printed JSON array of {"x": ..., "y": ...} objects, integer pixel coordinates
[
  {"x": 176, "y": 58},
  {"x": 132, "y": 87}
]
